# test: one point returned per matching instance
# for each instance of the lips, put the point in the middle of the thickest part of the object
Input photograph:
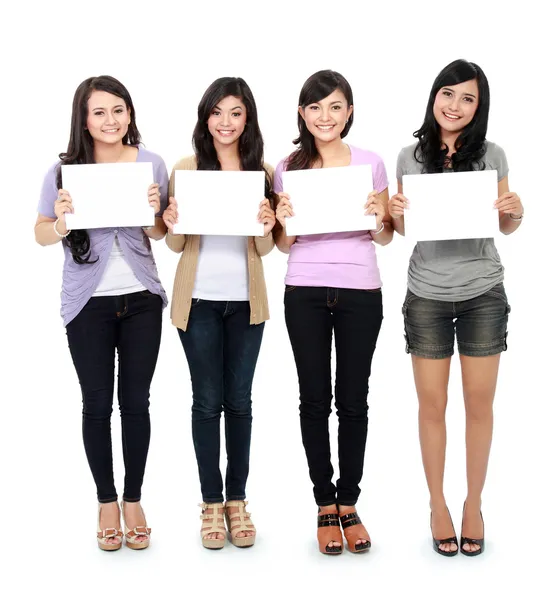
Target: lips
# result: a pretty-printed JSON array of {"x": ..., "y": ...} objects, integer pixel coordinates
[
  {"x": 451, "y": 117},
  {"x": 226, "y": 132},
  {"x": 325, "y": 128},
  {"x": 113, "y": 130}
]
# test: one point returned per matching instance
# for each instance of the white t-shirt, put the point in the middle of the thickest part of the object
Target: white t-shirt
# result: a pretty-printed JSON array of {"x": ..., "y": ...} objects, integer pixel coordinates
[
  {"x": 118, "y": 278},
  {"x": 222, "y": 268}
]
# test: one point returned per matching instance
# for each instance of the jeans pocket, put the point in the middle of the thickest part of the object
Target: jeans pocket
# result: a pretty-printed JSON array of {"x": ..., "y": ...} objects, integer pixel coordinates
[{"x": 289, "y": 288}]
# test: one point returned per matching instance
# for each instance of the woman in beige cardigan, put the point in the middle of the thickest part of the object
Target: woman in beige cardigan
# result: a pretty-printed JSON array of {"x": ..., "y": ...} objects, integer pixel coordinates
[{"x": 219, "y": 306}]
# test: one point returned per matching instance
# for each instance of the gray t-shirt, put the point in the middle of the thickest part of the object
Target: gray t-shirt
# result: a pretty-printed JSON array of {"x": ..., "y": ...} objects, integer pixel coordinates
[{"x": 454, "y": 270}]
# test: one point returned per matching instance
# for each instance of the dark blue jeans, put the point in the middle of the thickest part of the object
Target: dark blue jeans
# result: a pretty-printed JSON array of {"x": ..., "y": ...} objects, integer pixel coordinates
[
  {"x": 222, "y": 349},
  {"x": 131, "y": 325}
]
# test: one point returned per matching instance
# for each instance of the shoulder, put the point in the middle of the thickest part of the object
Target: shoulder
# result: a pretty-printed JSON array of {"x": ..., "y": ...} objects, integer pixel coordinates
[
  {"x": 52, "y": 172},
  {"x": 189, "y": 163},
  {"x": 361, "y": 156},
  {"x": 148, "y": 156},
  {"x": 493, "y": 151},
  {"x": 407, "y": 153}
]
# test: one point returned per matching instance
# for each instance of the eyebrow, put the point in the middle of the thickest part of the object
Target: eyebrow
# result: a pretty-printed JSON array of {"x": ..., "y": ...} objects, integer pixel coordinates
[
  {"x": 235, "y": 108},
  {"x": 465, "y": 94},
  {"x": 103, "y": 108}
]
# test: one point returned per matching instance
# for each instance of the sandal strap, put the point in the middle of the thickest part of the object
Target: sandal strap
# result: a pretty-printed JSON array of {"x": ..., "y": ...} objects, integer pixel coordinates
[
  {"x": 350, "y": 519},
  {"x": 140, "y": 530},
  {"x": 109, "y": 532},
  {"x": 328, "y": 520},
  {"x": 450, "y": 540},
  {"x": 475, "y": 541}
]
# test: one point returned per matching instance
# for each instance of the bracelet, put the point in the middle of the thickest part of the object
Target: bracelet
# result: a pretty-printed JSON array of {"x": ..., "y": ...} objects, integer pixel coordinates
[
  {"x": 56, "y": 230},
  {"x": 376, "y": 231},
  {"x": 515, "y": 218},
  {"x": 147, "y": 228}
]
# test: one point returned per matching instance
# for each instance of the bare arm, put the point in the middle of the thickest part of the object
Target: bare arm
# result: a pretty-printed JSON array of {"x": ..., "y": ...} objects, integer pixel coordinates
[{"x": 508, "y": 204}]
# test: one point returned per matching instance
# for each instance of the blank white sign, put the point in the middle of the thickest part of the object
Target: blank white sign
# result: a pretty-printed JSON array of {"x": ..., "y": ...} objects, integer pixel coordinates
[
  {"x": 219, "y": 202},
  {"x": 329, "y": 200},
  {"x": 109, "y": 195},
  {"x": 451, "y": 206}
]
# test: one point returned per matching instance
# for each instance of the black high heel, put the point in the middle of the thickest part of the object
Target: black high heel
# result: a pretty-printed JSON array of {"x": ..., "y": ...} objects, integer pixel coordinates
[
  {"x": 437, "y": 543},
  {"x": 470, "y": 541}
]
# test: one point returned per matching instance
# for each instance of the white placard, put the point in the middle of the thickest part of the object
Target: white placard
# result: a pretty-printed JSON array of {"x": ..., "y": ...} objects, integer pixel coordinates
[
  {"x": 329, "y": 200},
  {"x": 109, "y": 195},
  {"x": 219, "y": 202},
  {"x": 451, "y": 206}
]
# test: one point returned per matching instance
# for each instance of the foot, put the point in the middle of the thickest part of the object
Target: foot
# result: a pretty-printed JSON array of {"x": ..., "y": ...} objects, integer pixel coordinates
[
  {"x": 472, "y": 525},
  {"x": 209, "y": 521},
  {"x": 134, "y": 517},
  {"x": 110, "y": 519},
  {"x": 442, "y": 526},
  {"x": 330, "y": 508},
  {"x": 239, "y": 533},
  {"x": 344, "y": 510}
]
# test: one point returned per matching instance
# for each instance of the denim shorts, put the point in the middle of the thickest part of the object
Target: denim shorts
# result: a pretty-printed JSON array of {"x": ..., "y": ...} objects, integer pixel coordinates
[{"x": 480, "y": 325}]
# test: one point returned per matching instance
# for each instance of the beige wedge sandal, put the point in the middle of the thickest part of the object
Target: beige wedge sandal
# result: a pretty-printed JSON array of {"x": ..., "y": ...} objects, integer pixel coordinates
[
  {"x": 212, "y": 522},
  {"x": 239, "y": 521},
  {"x": 139, "y": 531},
  {"x": 103, "y": 535}
]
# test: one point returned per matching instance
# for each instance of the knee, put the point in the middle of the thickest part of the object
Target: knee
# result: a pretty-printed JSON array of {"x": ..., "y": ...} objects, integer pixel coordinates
[
  {"x": 433, "y": 409},
  {"x": 207, "y": 404},
  {"x": 315, "y": 407},
  {"x": 479, "y": 406},
  {"x": 354, "y": 411},
  {"x": 97, "y": 405},
  {"x": 238, "y": 405}
]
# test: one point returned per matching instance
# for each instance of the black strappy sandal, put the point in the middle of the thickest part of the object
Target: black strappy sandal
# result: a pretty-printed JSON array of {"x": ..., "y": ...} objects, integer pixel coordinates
[
  {"x": 470, "y": 541},
  {"x": 326, "y": 537},
  {"x": 438, "y": 543}
]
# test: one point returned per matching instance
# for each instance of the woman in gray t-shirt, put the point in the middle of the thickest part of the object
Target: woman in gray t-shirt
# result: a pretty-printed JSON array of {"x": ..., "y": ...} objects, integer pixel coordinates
[{"x": 456, "y": 286}]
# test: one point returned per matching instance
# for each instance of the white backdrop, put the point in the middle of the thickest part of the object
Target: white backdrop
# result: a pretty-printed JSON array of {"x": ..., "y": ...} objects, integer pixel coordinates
[{"x": 167, "y": 54}]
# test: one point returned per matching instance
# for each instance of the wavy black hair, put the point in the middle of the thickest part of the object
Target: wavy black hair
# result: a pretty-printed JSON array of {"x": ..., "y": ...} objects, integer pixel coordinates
[
  {"x": 318, "y": 86},
  {"x": 81, "y": 147},
  {"x": 250, "y": 145},
  {"x": 470, "y": 145}
]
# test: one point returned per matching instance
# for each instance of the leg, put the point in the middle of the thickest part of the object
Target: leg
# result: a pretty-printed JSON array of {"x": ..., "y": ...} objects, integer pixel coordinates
[
  {"x": 357, "y": 317},
  {"x": 242, "y": 342},
  {"x": 92, "y": 342},
  {"x": 481, "y": 330},
  {"x": 430, "y": 339},
  {"x": 310, "y": 325},
  {"x": 310, "y": 328},
  {"x": 138, "y": 349},
  {"x": 203, "y": 345},
  {"x": 479, "y": 379}
]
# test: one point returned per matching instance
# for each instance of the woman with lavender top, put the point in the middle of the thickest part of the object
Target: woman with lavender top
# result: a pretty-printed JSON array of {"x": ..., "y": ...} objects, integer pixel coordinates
[
  {"x": 112, "y": 300},
  {"x": 333, "y": 285}
]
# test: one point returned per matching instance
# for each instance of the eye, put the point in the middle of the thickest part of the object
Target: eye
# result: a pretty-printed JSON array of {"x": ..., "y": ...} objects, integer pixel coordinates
[
  {"x": 337, "y": 107},
  {"x": 236, "y": 114},
  {"x": 313, "y": 107},
  {"x": 119, "y": 110},
  {"x": 216, "y": 113},
  {"x": 446, "y": 93},
  {"x": 468, "y": 99},
  {"x": 98, "y": 114}
]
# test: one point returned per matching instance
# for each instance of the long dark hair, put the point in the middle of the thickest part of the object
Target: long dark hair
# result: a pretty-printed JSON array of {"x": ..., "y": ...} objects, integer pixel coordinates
[
  {"x": 318, "y": 86},
  {"x": 470, "y": 144},
  {"x": 250, "y": 145},
  {"x": 81, "y": 147}
]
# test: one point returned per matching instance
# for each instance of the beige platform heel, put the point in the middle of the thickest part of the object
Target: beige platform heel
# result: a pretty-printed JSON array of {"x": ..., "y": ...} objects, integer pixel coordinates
[
  {"x": 133, "y": 534},
  {"x": 239, "y": 521},
  {"x": 109, "y": 533},
  {"x": 212, "y": 522}
]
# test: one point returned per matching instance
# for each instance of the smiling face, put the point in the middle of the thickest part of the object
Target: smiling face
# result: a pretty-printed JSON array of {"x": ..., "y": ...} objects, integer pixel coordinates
[
  {"x": 456, "y": 105},
  {"x": 107, "y": 117},
  {"x": 227, "y": 121},
  {"x": 327, "y": 118}
]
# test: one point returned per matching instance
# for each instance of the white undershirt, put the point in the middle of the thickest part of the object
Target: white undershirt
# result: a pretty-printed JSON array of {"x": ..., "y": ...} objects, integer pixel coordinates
[
  {"x": 118, "y": 277},
  {"x": 222, "y": 268}
]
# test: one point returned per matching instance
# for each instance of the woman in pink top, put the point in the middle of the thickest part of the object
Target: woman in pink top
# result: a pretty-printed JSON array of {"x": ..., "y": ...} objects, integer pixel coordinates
[{"x": 333, "y": 284}]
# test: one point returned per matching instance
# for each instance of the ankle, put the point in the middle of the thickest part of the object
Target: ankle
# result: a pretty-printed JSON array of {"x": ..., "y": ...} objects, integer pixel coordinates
[{"x": 438, "y": 504}]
